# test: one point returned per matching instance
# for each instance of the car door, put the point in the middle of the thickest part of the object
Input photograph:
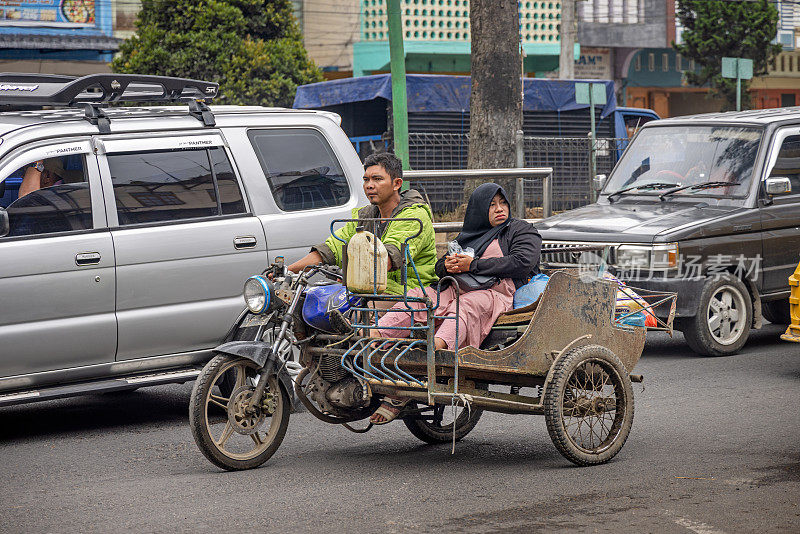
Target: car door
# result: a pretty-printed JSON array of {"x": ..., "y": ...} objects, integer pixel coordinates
[
  {"x": 184, "y": 239},
  {"x": 57, "y": 277},
  {"x": 780, "y": 214}
]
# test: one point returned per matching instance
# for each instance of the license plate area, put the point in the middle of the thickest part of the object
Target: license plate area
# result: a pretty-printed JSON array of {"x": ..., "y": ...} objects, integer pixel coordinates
[{"x": 255, "y": 320}]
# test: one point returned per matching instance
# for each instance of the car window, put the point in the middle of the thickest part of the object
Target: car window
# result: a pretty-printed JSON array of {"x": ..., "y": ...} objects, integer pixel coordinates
[
  {"x": 48, "y": 196},
  {"x": 173, "y": 185},
  {"x": 788, "y": 162},
  {"x": 690, "y": 155},
  {"x": 230, "y": 195},
  {"x": 301, "y": 169}
]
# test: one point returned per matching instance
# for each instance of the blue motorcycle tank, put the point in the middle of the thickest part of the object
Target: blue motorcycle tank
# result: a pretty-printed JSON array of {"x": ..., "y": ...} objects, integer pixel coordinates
[{"x": 321, "y": 300}]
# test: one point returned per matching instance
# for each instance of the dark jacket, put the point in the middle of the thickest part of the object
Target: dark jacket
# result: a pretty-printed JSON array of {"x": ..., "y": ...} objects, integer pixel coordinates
[{"x": 521, "y": 245}]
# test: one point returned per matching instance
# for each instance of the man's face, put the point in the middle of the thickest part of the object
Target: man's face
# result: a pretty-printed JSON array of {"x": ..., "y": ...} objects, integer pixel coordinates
[{"x": 378, "y": 185}]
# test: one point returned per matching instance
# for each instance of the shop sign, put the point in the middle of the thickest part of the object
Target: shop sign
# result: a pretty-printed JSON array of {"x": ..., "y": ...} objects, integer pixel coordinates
[
  {"x": 593, "y": 64},
  {"x": 48, "y": 13}
]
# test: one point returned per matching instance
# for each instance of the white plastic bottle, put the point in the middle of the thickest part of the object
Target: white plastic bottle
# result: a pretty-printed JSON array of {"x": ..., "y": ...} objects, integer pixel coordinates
[{"x": 362, "y": 261}]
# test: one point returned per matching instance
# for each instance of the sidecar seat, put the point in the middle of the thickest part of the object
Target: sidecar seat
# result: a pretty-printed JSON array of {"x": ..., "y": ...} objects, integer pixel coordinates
[{"x": 509, "y": 326}]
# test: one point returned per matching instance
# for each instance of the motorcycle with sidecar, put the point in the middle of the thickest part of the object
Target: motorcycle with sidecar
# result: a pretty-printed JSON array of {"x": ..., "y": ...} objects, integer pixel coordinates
[{"x": 568, "y": 356}]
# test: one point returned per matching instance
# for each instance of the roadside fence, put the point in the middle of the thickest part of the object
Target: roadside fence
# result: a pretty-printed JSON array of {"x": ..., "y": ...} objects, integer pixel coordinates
[{"x": 569, "y": 157}]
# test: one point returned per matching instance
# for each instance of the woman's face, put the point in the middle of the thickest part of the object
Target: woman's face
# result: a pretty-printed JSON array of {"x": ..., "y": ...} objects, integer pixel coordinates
[{"x": 498, "y": 210}]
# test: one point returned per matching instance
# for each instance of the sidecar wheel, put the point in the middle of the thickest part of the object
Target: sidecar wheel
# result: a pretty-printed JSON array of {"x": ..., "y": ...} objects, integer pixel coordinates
[
  {"x": 434, "y": 429},
  {"x": 588, "y": 405},
  {"x": 228, "y": 436}
]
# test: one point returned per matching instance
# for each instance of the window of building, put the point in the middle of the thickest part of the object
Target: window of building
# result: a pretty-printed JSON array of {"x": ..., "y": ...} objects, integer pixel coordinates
[
  {"x": 301, "y": 169},
  {"x": 665, "y": 62},
  {"x": 651, "y": 62},
  {"x": 173, "y": 185},
  {"x": 48, "y": 196}
]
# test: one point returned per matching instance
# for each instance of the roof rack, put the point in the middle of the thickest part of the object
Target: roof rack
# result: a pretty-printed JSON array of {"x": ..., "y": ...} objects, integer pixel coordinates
[{"x": 95, "y": 91}]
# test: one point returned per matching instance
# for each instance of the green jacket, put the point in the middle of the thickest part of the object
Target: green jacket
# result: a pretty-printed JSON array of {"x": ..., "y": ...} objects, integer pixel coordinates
[{"x": 393, "y": 235}]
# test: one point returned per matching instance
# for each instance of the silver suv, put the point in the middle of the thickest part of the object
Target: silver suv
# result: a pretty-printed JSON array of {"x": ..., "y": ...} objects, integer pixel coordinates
[{"x": 126, "y": 233}]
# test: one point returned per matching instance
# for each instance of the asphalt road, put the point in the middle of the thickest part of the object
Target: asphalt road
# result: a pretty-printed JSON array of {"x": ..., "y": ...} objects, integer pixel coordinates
[{"x": 714, "y": 448}]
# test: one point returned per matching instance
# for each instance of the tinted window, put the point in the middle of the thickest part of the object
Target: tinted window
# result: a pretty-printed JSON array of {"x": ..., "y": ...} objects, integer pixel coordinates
[
  {"x": 788, "y": 162},
  {"x": 56, "y": 199},
  {"x": 163, "y": 186},
  {"x": 230, "y": 195},
  {"x": 301, "y": 169}
]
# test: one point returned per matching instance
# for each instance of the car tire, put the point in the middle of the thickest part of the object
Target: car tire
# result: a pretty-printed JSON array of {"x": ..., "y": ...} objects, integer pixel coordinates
[
  {"x": 776, "y": 311},
  {"x": 724, "y": 316}
]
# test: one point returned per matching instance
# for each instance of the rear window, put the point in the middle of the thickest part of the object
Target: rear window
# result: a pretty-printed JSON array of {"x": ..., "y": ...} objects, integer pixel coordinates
[{"x": 301, "y": 169}]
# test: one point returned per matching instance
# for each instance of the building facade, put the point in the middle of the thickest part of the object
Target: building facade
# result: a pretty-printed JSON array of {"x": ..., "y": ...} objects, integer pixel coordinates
[
  {"x": 350, "y": 38},
  {"x": 57, "y": 36},
  {"x": 637, "y": 37},
  {"x": 330, "y": 29}
]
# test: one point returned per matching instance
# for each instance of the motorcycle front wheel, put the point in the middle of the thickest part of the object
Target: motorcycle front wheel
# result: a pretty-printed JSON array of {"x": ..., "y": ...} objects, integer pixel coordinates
[{"x": 226, "y": 433}]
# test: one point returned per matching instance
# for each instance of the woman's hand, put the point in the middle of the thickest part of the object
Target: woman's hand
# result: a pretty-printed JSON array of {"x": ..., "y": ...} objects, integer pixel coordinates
[{"x": 459, "y": 263}]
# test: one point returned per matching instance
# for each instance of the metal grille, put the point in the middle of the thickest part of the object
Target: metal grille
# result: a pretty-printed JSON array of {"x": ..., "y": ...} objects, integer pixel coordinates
[
  {"x": 568, "y": 156},
  {"x": 436, "y": 151},
  {"x": 570, "y": 159},
  {"x": 565, "y": 259}
]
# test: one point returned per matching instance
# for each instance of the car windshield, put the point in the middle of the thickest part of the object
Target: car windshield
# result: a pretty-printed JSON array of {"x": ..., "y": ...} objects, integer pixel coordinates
[{"x": 689, "y": 155}]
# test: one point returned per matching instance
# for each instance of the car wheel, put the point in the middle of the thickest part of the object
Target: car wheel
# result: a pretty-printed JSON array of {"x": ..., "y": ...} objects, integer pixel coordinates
[
  {"x": 723, "y": 318},
  {"x": 776, "y": 311}
]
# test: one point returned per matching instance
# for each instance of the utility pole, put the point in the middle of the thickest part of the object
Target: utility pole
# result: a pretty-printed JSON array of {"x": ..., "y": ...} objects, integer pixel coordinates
[
  {"x": 398, "y": 65},
  {"x": 566, "y": 61}
]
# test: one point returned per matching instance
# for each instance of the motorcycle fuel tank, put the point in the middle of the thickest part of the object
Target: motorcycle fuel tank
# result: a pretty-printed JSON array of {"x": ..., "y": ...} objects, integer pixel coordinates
[{"x": 321, "y": 301}]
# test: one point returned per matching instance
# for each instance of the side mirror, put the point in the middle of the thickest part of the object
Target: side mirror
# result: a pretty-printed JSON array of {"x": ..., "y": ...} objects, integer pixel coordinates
[
  {"x": 778, "y": 185},
  {"x": 599, "y": 182},
  {"x": 5, "y": 226}
]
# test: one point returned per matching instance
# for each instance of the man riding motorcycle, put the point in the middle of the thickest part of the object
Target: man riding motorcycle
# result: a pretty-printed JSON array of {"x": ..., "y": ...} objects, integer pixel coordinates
[{"x": 383, "y": 178}]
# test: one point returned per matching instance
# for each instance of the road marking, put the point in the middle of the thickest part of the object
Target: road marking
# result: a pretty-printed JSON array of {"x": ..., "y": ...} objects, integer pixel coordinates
[{"x": 697, "y": 527}]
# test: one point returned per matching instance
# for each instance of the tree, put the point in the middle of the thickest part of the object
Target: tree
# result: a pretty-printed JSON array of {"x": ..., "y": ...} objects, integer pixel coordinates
[
  {"x": 252, "y": 48},
  {"x": 714, "y": 29},
  {"x": 495, "y": 107}
]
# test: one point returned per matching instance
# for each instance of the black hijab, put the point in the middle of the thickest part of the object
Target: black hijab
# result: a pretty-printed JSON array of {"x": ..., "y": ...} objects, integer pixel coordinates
[{"x": 477, "y": 232}]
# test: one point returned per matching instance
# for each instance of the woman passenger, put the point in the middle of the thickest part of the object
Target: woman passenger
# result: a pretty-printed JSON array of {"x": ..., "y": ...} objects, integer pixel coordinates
[{"x": 505, "y": 247}]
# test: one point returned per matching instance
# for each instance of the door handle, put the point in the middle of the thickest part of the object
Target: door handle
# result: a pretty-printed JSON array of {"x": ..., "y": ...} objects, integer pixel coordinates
[
  {"x": 87, "y": 258},
  {"x": 244, "y": 241}
]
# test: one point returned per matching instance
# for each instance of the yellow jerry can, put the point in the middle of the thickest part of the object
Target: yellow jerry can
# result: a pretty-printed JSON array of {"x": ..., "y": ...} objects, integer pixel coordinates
[
  {"x": 793, "y": 332},
  {"x": 366, "y": 263}
]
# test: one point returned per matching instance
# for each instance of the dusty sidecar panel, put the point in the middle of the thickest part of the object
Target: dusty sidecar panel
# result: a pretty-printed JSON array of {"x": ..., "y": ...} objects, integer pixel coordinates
[{"x": 568, "y": 309}]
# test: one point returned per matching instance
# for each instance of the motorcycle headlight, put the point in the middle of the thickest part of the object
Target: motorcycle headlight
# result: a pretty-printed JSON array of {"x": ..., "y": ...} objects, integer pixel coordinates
[{"x": 259, "y": 294}]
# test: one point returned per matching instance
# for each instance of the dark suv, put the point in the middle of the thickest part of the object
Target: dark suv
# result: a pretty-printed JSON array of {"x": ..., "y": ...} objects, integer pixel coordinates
[{"x": 709, "y": 207}]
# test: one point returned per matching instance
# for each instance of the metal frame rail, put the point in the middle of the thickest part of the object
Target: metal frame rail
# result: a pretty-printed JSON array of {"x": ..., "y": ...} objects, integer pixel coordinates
[
  {"x": 95, "y": 91},
  {"x": 361, "y": 348},
  {"x": 520, "y": 173}
]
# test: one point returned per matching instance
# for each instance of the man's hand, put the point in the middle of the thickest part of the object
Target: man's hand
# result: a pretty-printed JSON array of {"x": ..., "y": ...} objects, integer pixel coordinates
[
  {"x": 459, "y": 263},
  {"x": 312, "y": 258}
]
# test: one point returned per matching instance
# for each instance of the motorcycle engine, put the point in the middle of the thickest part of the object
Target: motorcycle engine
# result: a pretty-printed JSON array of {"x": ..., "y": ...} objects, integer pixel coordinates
[{"x": 335, "y": 390}]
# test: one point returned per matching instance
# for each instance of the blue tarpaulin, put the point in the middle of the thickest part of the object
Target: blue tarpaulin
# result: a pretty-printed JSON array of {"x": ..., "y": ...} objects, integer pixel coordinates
[{"x": 431, "y": 92}]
